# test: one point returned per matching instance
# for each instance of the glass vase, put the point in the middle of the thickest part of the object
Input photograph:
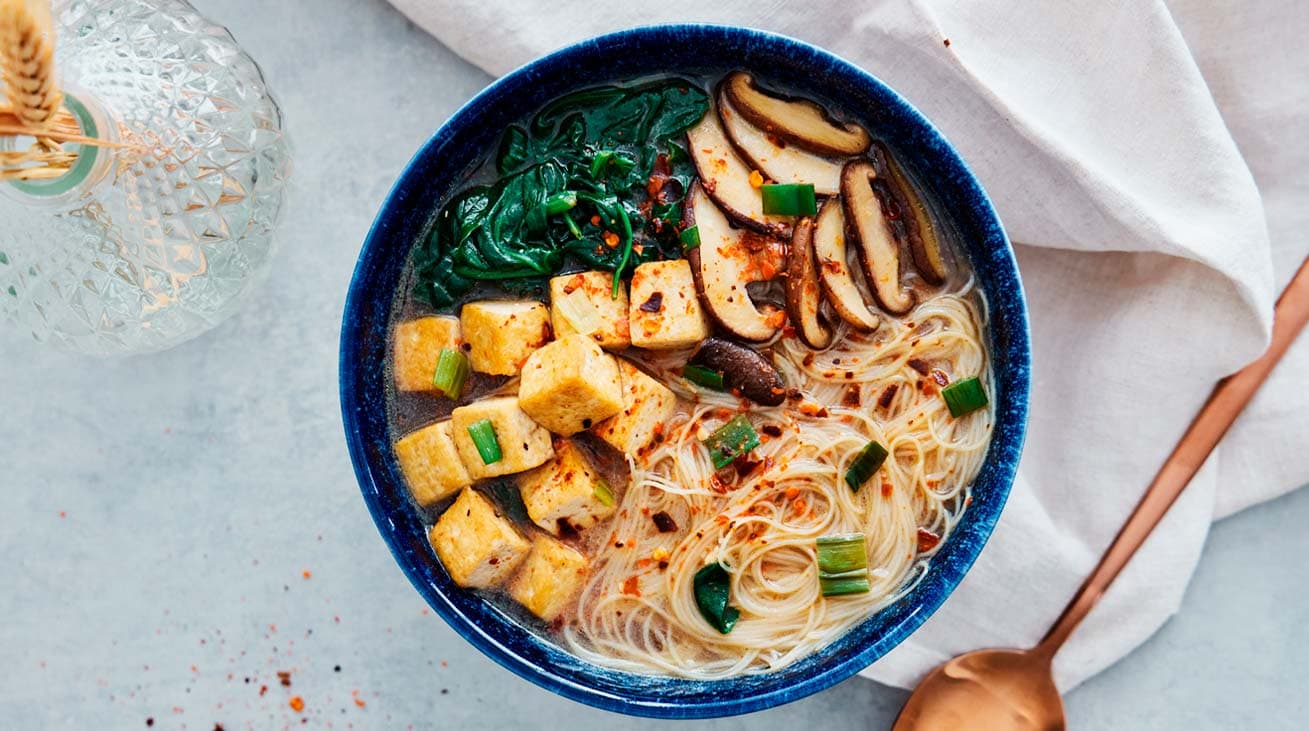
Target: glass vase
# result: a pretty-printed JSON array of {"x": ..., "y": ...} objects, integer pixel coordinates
[{"x": 157, "y": 236}]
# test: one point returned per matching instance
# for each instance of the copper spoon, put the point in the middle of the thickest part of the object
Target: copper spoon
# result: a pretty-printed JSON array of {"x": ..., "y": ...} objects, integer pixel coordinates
[{"x": 1002, "y": 690}]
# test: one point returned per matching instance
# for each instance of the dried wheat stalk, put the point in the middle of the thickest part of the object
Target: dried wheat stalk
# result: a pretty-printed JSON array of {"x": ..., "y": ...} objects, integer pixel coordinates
[
  {"x": 34, "y": 108},
  {"x": 35, "y": 103},
  {"x": 27, "y": 57}
]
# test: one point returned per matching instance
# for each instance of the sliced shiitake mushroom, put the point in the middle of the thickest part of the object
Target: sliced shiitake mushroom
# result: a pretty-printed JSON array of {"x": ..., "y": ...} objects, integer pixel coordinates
[
  {"x": 773, "y": 157},
  {"x": 726, "y": 178},
  {"x": 924, "y": 241},
  {"x": 838, "y": 282},
  {"x": 798, "y": 121},
  {"x": 878, "y": 245},
  {"x": 803, "y": 292},
  {"x": 722, "y": 266},
  {"x": 744, "y": 370}
]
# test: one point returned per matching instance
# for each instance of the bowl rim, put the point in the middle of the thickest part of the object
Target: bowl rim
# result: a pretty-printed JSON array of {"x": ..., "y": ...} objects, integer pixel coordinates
[{"x": 945, "y": 577}]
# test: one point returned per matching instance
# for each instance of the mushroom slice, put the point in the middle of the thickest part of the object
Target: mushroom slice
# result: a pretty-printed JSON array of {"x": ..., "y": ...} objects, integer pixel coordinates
[
  {"x": 803, "y": 292},
  {"x": 726, "y": 178},
  {"x": 924, "y": 240},
  {"x": 723, "y": 266},
  {"x": 878, "y": 244},
  {"x": 798, "y": 121},
  {"x": 744, "y": 370},
  {"x": 834, "y": 270},
  {"x": 774, "y": 158}
]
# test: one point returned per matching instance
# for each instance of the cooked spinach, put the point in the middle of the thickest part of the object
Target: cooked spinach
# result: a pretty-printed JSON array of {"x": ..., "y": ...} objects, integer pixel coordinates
[
  {"x": 713, "y": 587},
  {"x": 596, "y": 177}
]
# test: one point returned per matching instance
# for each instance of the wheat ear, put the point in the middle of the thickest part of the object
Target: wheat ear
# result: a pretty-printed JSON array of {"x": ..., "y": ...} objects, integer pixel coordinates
[{"x": 27, "y": 56}]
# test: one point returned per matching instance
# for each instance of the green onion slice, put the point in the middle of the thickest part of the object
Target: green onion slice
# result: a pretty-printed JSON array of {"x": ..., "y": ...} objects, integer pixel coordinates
[
  {"x": 865, "y": 465},
  {"x": 483, "y": 434},
  {"x": 604, "y": 493},
  {"x": 731, "y": 440},
  {"x": 841, "y": 554},
  {"x": 451, "y": 373},
  {"x": 789, "y": 199},
  {"x": 964, "y": 397},
  {"x": 576, "y": 309},
  {"x": 560, "y": 202},
  {"x": 839, "y": 587},
  {"x": 690, "y": 238},
  {"x": 842, "y": 565},
  {"x": 713, "y": 586},
  {"x": 702, "y": 376}
]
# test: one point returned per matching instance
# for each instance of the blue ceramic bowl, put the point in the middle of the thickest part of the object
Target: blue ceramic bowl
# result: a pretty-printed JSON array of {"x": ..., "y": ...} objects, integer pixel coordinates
[{"x": 437, "y": 170}]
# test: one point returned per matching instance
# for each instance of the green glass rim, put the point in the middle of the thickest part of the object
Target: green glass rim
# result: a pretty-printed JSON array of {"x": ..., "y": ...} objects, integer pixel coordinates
[{"x": 86, "y": 157}]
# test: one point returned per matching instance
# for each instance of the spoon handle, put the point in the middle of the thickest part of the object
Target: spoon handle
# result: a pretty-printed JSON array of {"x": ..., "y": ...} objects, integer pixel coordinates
[{"x": 1227, "y": 401}]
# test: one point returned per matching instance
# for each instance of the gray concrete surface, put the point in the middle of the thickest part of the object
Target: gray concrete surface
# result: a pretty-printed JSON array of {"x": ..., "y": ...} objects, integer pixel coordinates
[{"x": 179, "y": 528}]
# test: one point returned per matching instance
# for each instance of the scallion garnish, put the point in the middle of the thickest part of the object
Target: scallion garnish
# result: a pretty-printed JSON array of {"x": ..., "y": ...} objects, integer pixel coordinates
[
  {"x": 483, "y": 435},
  {"x": 842, "y": 564},
  {"x": 964, "y": 397},
  {"x": 451, "y": 373},
  {"x": 702, "y": 376},
  {"x": 731, "y": 440},
  {"x": 603, "y": 493},
  {"x": 789, "y": 199},
  {"x": 713, "y": 587},
  {"x": 837, "y": 587},
  {"x": 690, "y": 238},
  {"x": 578, "y": 311},
  {"x": 560, "y": 202},
  {"x": 839, "y": 554},
  {"x": 865, "y": 465}
]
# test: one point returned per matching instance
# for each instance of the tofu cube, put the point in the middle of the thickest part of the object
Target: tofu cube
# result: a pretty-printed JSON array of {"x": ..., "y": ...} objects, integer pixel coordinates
[
  {"x": 431, "y": 464},
  {"x": 665, "y": 312},
  {"x": 416, "y": 347},
  {"x": 569, "y": 385},
  {"x": 647, "y": 407},
  {"x": 549, "y": 578},
  {"x": 563, "y": 489},
  {"x": 502, "y": 333},
  {"x": 593, "y": 290},
  {"x": 524, "y": 444},
  {"x": 478, "y": 547}
]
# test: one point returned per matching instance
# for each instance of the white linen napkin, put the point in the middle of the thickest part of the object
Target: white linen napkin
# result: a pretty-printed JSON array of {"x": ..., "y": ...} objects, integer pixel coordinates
[{"x": 1142, "y": 240}]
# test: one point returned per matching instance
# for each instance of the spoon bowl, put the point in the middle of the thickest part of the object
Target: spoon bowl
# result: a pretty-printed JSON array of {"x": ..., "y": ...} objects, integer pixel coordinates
[{"x": 985, "y": 690}]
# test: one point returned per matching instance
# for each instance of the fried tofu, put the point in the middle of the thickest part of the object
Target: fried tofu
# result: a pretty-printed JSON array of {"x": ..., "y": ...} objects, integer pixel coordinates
[
  {"x": 524, "y": 444},
  {"x": 564, "y": 490},
  {"x": 569, "y": 385},
  {"x": 417, "y": 345},
  {"x": 478, "y": 547},
  {"x": 664, "y": 312},
  {"x": 549, "y": 578},
  {"x": 431, "y": 464},
  {"x": 647, "y": 407},
  {"x": 502, "y": 333},
  {"x": 592, "y": 292}
]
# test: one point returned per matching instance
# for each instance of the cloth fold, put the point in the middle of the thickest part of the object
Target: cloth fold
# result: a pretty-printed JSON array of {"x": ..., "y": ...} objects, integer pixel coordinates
[{"x": 1106, "y": 143}]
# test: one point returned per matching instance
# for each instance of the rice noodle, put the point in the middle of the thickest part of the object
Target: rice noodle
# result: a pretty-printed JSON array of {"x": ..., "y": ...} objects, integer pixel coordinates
[{"x": 763, "y": 525}]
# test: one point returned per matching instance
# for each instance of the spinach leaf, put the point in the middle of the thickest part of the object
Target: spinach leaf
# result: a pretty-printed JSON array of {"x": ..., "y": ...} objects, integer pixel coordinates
[
  {"x": 713, "y": 587},
  {"x": 595, "y": 177}
]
